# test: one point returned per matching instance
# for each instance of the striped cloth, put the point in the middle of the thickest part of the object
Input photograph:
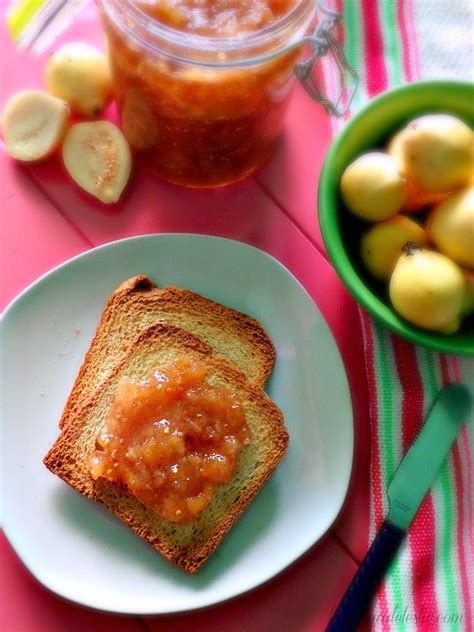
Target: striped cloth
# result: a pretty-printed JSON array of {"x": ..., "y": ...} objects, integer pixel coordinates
[{"x": 430, "y": 585}]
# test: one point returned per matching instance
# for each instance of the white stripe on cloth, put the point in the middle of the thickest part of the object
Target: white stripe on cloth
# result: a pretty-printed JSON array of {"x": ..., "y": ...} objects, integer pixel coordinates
[{"x": 445, "y": 38}]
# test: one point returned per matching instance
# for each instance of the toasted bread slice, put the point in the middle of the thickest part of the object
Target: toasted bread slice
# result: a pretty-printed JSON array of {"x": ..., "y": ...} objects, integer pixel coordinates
[
  {"x": 187, "y": 545},
  {"x": 138, "y": 303}
]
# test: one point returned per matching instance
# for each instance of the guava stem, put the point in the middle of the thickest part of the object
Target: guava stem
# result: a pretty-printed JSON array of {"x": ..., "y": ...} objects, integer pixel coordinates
[{"x": 410, "y": 248}]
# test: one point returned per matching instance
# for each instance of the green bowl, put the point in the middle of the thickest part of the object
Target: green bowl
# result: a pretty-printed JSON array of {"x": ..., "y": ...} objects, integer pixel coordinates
[{"x": 341, "y": 232}]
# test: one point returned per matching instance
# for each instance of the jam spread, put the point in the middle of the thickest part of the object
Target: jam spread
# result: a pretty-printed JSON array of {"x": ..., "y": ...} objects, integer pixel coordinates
[
  {"x": 201, "y": 125},
  {"x": 222, "y": 18},
  {"x": 171, "y": 438}
]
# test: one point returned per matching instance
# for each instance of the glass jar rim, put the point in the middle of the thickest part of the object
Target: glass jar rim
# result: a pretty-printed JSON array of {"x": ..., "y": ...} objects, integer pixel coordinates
[{"x": 220, "y": 46}]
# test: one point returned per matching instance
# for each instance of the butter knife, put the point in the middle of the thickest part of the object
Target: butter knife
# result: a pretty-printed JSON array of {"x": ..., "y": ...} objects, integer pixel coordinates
[{"x": 406, "y": 491}]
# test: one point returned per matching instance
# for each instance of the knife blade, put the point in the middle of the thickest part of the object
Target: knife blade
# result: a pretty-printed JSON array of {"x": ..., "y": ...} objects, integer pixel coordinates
[
  {"x": 421, "y": 463},
  {"x": 406, "y": 491}
]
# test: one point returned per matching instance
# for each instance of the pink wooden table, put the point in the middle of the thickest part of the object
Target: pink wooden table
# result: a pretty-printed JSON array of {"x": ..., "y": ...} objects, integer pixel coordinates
[{"x": 44, "y": 220}]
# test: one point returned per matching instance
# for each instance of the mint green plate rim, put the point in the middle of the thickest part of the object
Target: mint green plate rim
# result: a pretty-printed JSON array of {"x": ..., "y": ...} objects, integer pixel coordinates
[{"x": 406, "y": 102}]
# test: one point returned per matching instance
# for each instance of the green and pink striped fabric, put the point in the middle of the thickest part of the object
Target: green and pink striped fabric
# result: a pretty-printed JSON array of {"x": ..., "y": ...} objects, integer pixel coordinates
[{"x": 430, "y": 586}]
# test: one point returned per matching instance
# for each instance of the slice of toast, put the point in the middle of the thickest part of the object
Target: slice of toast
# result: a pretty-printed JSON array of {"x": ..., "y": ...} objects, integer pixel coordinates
[
  {"x": 187, "y": 545},
  {"x": 138, "y": 303}
]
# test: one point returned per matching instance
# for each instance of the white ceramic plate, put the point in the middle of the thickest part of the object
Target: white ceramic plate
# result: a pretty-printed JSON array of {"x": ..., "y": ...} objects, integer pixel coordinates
[{"x": 74, "y": 546}]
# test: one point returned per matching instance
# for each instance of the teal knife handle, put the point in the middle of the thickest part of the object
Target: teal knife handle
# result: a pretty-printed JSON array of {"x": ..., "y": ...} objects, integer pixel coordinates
[{"x": 363, "y": 587}]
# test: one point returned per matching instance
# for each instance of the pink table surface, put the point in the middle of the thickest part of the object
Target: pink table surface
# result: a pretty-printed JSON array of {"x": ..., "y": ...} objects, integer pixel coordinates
[{"x": 45, "y": 220}]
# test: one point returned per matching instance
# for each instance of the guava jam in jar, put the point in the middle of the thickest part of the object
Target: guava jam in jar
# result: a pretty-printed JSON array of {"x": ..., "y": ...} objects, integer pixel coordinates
[{"x": 202, "y": 85}]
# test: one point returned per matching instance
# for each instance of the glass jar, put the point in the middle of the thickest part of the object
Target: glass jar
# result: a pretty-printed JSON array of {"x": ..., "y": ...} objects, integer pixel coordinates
[{"x": 204, "y": 111}]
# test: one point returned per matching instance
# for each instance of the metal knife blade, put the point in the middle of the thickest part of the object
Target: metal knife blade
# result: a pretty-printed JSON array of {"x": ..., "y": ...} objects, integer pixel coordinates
[{"x": 421, "y": 463}]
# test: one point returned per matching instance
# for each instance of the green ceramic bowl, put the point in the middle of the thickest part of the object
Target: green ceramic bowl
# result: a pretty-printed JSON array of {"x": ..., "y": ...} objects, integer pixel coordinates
[{"x": 370, "y": 129}]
